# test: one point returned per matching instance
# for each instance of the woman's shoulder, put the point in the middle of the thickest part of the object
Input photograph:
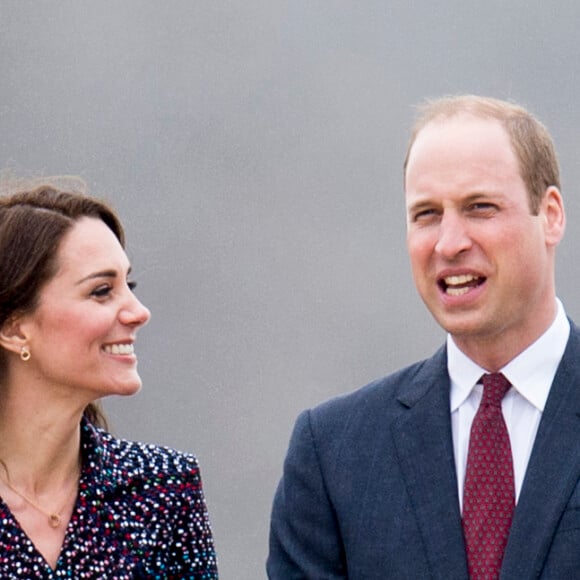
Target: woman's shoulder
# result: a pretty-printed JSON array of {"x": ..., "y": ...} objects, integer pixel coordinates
[{"x": 133, "y": 457}]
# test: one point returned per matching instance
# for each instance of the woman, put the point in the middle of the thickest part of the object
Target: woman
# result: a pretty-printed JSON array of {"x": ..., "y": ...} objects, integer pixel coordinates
[{"x": 75, "y": 501}]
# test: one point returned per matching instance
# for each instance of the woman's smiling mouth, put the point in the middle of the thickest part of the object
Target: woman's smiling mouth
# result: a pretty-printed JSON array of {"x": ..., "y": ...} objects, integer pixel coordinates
[{"x": 119, "y": 348}]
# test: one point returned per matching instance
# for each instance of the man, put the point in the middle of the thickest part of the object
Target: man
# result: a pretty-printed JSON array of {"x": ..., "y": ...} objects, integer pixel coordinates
[{"x": 400, "y": 478}]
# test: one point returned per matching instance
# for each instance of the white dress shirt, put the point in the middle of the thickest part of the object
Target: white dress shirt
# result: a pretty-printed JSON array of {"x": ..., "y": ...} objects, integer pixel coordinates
[{"x": 531, "y": 374}]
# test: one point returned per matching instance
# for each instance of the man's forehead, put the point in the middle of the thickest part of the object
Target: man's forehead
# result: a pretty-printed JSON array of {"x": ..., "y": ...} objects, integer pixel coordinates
[{"x": 464, "y": 119}]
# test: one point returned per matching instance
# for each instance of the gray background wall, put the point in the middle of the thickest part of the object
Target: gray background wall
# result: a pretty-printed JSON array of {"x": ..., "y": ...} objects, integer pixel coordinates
[{"x": 254, "y": 150}]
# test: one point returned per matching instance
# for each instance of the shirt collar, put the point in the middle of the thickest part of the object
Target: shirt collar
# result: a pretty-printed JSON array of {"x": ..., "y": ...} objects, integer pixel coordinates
[
  {"x": 531, "y": 372},
  {"x": 102, "y": 469}
]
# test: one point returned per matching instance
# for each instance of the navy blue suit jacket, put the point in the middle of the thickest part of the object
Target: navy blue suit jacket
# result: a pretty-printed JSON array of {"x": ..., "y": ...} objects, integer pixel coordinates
[{"x": 369, "y": 488}]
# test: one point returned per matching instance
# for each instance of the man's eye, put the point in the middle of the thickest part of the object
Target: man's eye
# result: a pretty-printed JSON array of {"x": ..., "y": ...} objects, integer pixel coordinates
[
  {"x": 482, "y": 207},
  {"x": 132, "y": 285},
  {"x": 423, "y": 214}
]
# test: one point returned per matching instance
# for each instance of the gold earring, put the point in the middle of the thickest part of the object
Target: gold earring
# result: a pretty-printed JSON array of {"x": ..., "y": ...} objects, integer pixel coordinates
[{"x": 25, "y": 353}]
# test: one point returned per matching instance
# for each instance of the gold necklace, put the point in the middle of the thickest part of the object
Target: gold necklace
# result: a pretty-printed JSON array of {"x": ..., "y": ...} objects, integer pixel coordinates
[{"x": 54, "y": 518}]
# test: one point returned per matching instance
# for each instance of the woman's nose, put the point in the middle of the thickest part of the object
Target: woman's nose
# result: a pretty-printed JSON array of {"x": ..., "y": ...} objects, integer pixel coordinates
[{"x": 135, "y": 313}]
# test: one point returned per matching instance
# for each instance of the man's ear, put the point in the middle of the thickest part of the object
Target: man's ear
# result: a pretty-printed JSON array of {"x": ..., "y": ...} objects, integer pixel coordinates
[
  {"x": 555, "y": 217},
  {"x": 13, "y": 334}
]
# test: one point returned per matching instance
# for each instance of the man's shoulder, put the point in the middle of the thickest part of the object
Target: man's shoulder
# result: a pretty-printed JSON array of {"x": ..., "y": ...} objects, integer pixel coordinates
[
  {"x": 347, "y": 426},
  {"x": 385, "y": 395}
]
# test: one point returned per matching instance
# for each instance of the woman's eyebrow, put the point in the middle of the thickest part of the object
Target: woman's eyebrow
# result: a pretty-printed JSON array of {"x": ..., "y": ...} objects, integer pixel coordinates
[{"x": 101, "y": 274}]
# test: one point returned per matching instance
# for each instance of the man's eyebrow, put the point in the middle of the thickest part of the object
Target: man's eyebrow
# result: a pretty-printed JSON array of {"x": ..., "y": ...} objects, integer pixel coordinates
[
  {"x": 481, "y": 194},
  {"x": 419, "y": 204},
  {"x": 475, "y": 196},
  {"x": 101, "y": 274}
]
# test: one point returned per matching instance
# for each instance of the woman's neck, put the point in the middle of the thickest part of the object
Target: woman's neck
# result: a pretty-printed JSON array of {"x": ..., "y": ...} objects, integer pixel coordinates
[{"x": 39, "y": 444}]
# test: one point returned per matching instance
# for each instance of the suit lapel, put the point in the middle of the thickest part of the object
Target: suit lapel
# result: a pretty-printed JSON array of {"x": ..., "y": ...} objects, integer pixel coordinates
[
  {"x": 423, "y": 441},
  {"x": 552, "y": 474}
]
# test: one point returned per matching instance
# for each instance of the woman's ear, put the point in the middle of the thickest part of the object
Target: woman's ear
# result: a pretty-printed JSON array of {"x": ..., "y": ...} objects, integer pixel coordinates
[{"x": 13, "y": 335}]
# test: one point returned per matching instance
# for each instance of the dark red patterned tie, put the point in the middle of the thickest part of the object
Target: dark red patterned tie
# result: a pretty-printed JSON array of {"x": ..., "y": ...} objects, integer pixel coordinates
[{"x": 488, "y": 495}]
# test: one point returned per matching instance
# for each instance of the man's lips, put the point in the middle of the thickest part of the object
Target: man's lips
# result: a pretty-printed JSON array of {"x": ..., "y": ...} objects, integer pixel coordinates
[{"x": 459, "y": 284}]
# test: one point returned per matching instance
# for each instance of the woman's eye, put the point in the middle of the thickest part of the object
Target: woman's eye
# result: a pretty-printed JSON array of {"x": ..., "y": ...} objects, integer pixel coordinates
[
  {"x": 101, "y": 291},
  {"x": 132, "y": 285}
]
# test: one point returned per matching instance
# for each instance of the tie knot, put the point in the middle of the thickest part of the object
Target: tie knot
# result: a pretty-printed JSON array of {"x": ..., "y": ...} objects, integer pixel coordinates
[{"x": 495, "y": 386}]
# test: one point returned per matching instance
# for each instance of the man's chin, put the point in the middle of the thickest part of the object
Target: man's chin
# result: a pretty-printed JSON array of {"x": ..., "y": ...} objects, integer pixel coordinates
[{"x": 462, "y": 325}]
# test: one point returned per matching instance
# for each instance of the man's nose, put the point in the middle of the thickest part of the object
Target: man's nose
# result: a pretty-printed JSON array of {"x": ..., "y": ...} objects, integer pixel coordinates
[{"x": 453, "y": 236}]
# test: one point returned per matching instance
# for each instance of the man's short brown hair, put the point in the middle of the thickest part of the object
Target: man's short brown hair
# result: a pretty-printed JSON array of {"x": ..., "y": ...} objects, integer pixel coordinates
[{"x": 531, "y": 142}]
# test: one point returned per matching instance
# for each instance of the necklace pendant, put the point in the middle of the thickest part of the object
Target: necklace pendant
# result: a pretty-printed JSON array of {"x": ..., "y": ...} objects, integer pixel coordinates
[{"x": 54, "y": 520}]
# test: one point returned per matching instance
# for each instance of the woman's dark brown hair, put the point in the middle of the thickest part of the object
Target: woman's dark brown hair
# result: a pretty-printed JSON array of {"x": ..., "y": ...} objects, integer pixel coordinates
[{"x": 32, "y": 226}]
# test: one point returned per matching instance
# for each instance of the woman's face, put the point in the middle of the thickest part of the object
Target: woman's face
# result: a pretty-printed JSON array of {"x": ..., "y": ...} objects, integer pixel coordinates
[{"x": 82, "y": 334}]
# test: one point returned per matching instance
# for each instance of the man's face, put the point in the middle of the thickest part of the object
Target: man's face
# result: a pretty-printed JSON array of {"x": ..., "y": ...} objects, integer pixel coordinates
[{"x": 482, "y": 263}]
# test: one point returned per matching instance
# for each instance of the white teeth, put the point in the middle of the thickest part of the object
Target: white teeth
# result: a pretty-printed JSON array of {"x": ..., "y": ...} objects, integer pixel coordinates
[
  {"x": 457, "y": 291},
  {"x": 461, "y": 279},
  {"x": 460, "y": 284},
  {"x": 119, "y": 349}
]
